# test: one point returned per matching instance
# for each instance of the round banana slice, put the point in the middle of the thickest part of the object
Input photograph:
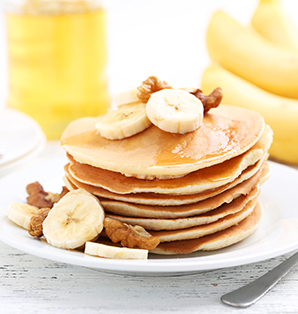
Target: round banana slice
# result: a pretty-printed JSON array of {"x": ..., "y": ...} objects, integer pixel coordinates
[
  {"x": 175, "y": 111},
  {"x": 127, "y": 97},
  {"x": 108, "y": 251},
  {"x": 123, "y": 122},
  {"x": 74, "y": 220},
  {"x": 21, "y": 213}
]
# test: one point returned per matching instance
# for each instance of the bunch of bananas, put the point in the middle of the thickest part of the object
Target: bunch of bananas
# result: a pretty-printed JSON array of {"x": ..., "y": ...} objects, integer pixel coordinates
[{"x": 257, "y": 68}]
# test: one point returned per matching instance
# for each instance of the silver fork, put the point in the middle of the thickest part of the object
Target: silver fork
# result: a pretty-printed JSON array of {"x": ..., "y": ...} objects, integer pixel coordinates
[{"x": 252, "y": 292}]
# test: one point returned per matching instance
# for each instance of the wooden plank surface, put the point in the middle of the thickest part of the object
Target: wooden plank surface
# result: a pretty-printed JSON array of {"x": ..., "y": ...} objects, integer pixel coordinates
[{"x": 29, "y": 284}]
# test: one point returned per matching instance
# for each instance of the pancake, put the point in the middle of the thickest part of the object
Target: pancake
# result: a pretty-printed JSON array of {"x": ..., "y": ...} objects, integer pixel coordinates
[
  {"x": 226, "y": 132},
  {"x": 195, "y": 182},
  {"x": 188, "y": 222},
  {"x": 189, "y": 210},
  {"x": 195, "y": 191},
  {"x": 212, "y": 242},
  {"x": 217, "y": 240},
  {"x": 160, "y": 199},
  {"x": 202, "y": 230}
]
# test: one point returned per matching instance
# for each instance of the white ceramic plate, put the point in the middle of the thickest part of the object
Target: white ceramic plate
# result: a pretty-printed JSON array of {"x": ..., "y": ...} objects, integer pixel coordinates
[
  {"x": 277, "y": 234},
  {"x": 20, "y": 138},
  {"x": 24, "y": 160}
]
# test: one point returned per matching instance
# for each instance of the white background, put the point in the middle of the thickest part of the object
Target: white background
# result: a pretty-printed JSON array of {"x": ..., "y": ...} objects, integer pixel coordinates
[{"x": 165, "y": 38}]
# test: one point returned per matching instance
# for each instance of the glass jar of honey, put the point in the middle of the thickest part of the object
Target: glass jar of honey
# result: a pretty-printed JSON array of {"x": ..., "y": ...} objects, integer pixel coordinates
[{"x": 57, "y": 56}]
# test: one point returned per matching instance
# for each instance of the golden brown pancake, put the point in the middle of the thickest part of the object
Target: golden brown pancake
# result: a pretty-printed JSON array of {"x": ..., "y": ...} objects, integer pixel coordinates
[
  {"x": 160, "y": 199},
  {"x": 195, "y": 191},
  {"x": 216, "y": 240},
  {"x": 226, "y": 132},
  {"x": 187, "y": 222},
  {"x": 201, "y": 207},
  {"x": 195, "y": 182},
  {"x": 202, "y": 230},
  {"x": 211, "y": 242}
]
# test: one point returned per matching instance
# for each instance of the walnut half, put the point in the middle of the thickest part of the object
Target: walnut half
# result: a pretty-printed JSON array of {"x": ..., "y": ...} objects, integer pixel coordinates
[
  {"x": 35, "y": 226},
  {"x": 209, "y": 101},
  {"x": 151, "y": 85},
  {"x": 40, "y": 198},
  {"x": 129, "y": 236}
]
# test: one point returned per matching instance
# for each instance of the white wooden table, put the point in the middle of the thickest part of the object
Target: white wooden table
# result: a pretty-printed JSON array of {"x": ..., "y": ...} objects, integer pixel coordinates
[{"x": 30, "y": 284}]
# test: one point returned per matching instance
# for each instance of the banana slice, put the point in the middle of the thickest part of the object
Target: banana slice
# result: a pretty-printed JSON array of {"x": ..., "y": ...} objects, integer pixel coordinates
[
  {"x": 21, "y": 213},
  {"x": 127, "y": 97},
  {"x": 175, "y": 111},
  {"x": 74, "y": 220},
  {"x": 123, "y": 122},
  {"x": 107, "y": 251}
]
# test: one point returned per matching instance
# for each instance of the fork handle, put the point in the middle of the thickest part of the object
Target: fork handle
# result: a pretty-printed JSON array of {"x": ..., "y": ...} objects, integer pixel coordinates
[{"x": 252, "y": 292}]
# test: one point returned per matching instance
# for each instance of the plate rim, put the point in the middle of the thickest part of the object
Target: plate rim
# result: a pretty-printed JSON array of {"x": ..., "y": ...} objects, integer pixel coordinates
[{"x": 38, "y": 141}]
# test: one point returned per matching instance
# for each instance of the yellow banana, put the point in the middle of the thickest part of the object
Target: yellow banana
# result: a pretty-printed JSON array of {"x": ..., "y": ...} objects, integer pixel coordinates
[
  {"x": 126, "y": 97},
  {"x": 125, "y": 121},
  {"x": 175, "y": 111},
  {"x": 272, "y": 21},
  {"x": 279, "y": 112},
  {"x": 244, "y": 52},
  {"x": 76, "y": 219},
  {"x": 115, "y": 252},
  {"x": 21, "y": 213}
]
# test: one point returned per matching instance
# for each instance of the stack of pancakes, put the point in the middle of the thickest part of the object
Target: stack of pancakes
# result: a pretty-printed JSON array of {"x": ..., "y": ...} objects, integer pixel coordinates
[{"x": 196, "y": 191}]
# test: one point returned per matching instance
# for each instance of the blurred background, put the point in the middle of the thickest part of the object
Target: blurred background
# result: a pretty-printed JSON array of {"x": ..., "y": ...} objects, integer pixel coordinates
[{"x": 165, "y": 38}]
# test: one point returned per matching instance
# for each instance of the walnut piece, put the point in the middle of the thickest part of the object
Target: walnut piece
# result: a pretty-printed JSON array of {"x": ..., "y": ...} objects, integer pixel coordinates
[
  {"x": 35, "y": 226},
  {"x": 53, "y": 197},
  {"x": 129, "y": 236},
  {"x": 151, "y": 85},
  {"x": 40, "y": 198},
  {"x": 64, "y": 191},
  {"x": 210, "y": 101}
]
